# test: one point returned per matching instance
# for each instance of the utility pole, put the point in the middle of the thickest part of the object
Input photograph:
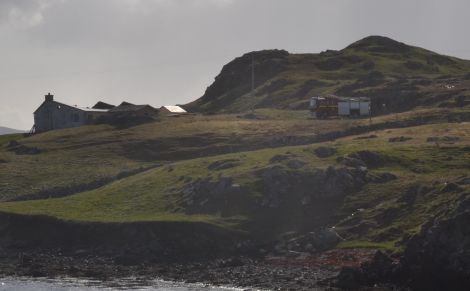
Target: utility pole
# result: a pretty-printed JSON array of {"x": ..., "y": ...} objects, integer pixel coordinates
[
  {"x": 253, "y": 74},
  {"x": 253, "y": 81}
]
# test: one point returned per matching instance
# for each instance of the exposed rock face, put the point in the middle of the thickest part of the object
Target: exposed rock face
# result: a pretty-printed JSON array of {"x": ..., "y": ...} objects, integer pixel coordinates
[
  {"x": 439, "y": 257},
  {"x": 369, "y": 158},
  {"x": 381, "y": 269},
  {"x": 218, "y": 196},
  {"x": 235, "y": 78},
  {"x": 280, "y": 184}
]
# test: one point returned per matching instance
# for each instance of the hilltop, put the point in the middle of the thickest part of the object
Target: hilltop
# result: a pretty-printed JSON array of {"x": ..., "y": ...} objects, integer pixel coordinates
[
  {"x": 396, "y": 76},
  {"x": 6, "y": 130}
]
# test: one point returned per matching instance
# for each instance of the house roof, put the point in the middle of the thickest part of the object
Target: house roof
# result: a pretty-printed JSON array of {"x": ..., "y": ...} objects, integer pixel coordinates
[
  {"x": 103, "y": 105},
  {"x": 129, "y": 108},
  {"x": 174, "y": 109},
  {"x": 125, "y": 103},
  {"x": 86, "y": 109}
]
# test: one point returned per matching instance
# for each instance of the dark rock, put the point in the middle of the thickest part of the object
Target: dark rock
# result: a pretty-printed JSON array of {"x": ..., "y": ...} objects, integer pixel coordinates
[
  {"x": 295, "y": 164},
  {"x": 464, "y": 203},
  {"x": 12, "y": 144},
  {"x": 412, "y": 193},
  {"x": 280, "y": 185},
  {"x": 250, "y": 116},
  {"x": 207, "y": 196},
  {"x": 350, "y": 278},
  {"x": 369, "y": 158},
  {"x": 366, "y": 137},
  {"x": 20, "y": 149},
  {"x": 351, "y": 162},
  {"x": 380, "y": 269},
  {"x": 234, "y": 77},
  {"x": 463, "y": 181},
  {"x": 399, "y": 139},
  {"x": 387, "y": 216},
  {"x": 324, "y": 152},
  {"x": 128, "y": 260},
  {"x": 444, "y": 139},
  {"x": 278, "y": 158},
  {"x": 224, "y": 164},
  {"x": 438, "y": 257},
  {"x": 382, "y": 177},
  {"x": 451, "y": 187}
]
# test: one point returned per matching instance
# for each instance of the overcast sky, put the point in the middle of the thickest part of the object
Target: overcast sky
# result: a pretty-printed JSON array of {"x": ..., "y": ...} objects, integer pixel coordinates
[{"x": 168, "y": 51}]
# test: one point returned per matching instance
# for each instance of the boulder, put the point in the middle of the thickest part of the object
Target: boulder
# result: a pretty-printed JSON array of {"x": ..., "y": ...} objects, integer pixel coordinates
[{"x": 324, "y": 152}]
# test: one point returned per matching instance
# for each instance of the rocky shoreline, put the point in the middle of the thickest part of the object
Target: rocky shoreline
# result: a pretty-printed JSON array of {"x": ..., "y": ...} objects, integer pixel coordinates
[{"x": 293, "y": 272}]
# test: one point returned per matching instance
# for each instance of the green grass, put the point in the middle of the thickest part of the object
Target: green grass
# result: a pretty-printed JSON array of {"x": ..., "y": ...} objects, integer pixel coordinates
[
  {"x": 155, "y": 195},
  {"x": 386, "y": 246},
  {"x": 5, "y": 139}
]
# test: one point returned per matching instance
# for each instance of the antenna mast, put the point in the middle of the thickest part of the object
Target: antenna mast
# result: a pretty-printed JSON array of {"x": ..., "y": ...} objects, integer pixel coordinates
[{"x": 253, "y": 74}]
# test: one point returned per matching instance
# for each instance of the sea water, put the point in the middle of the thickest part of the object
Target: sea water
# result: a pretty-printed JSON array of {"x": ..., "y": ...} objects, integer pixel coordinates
[{"x": 69, "y": 284}]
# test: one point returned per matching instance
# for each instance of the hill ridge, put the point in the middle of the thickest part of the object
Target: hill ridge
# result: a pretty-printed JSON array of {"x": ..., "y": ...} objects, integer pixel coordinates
[{"x": 390, "y": 72}]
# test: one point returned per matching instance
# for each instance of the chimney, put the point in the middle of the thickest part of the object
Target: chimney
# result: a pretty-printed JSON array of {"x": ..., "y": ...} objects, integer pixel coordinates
[{"x": 49, "y": 97}]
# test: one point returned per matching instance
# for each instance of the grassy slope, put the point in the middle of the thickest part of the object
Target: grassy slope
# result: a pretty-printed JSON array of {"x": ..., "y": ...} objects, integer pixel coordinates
[
  {"x": 154, "y": 195},
  {"x": 83, "y": 155}
]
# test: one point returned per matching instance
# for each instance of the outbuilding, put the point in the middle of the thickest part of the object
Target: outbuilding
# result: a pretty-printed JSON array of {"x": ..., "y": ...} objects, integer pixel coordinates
[{"x": 172, "y": 110}]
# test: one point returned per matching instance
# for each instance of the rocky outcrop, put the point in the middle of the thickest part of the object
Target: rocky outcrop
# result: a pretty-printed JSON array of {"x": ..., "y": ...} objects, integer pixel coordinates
[
  {"x": 280, "y": 185},
  {"x": 21, "y": 149},
  {"x": 381, "y": 269},
  {"x": 438, "y": 258},
  {"x": 214, "y": 196},
  {"x": 324, "y": 152},
  {"x": 235, "y": 78},
  {"x": 139, "y": 241}
]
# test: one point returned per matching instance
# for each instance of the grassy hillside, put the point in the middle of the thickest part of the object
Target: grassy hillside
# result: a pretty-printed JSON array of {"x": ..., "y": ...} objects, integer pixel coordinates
[
  {"x": 430, "y": 163},
  {"x": 74, "y": 157},
  {"x": 396, "y": 76},
  {"x": 75, "y": 160}
]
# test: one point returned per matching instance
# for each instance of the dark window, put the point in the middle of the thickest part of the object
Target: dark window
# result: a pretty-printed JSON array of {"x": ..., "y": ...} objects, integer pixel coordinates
[{"x": 76, "y": 117}]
